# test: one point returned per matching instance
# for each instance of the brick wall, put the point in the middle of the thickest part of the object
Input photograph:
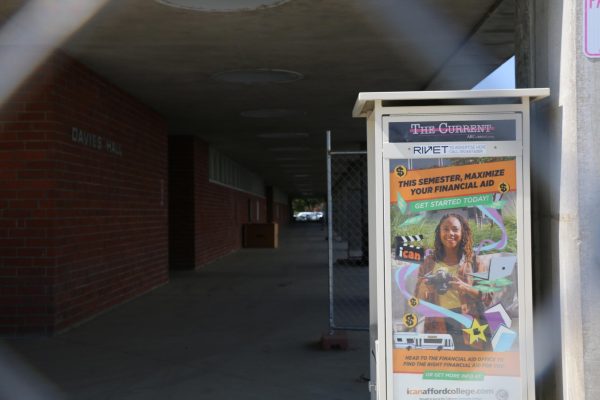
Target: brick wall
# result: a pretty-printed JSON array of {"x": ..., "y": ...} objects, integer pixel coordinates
[
  {"x": 220, "y": 212},
  {"x": 281, "y": 213},
  {"x": 83, "y": 198},
  {"x": 207, "y": 215}
]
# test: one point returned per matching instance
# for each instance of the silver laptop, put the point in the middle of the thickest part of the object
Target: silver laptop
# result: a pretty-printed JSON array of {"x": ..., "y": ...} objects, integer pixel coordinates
[{"x": 500, "y": 267}]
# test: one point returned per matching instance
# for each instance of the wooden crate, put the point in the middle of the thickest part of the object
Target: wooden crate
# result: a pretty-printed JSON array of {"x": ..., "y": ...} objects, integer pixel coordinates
[{"x": 260, "y": 235}]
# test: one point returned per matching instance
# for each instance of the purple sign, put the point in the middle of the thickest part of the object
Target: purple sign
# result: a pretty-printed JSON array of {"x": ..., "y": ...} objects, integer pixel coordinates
[{"x": 591, "y": 31}]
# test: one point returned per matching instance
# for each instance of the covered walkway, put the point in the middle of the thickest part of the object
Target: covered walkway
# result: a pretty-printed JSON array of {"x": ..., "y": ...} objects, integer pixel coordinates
[{"x": 245, "y": 327}]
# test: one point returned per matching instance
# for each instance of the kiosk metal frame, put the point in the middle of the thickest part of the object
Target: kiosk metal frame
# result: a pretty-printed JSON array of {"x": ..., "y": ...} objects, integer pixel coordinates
[{"x": 380, "y": 109}]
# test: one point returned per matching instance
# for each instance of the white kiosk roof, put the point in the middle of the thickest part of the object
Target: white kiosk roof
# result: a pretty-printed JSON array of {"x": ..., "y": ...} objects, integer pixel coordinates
[{"x": 365, "y": 101}]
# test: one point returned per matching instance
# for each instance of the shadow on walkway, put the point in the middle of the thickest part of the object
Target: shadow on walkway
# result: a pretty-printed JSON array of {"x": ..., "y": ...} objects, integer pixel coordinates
[{"x": 244, "y": 327}]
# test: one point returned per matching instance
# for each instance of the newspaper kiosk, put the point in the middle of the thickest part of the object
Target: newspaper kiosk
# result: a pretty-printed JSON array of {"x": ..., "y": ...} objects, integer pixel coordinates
[{"x": 449, "y": 244}]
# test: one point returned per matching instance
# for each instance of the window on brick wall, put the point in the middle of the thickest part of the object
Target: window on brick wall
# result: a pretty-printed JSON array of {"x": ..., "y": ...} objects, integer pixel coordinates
[{"x": 224, "y": 171}]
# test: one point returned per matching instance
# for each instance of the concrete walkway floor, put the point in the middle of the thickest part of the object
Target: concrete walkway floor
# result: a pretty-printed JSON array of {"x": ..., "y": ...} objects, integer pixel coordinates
[{"x": 245, "y": 327}]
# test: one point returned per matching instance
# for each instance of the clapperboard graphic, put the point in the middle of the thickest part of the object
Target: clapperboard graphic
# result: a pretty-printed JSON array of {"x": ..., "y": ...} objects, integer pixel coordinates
[{"x": 405, "y": 251}]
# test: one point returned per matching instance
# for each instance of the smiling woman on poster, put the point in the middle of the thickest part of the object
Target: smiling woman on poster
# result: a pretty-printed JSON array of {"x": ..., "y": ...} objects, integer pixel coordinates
[{"x": 445, "y": 280}]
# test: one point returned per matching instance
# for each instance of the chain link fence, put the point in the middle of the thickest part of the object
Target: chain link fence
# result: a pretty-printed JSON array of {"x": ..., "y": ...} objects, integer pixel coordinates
[{"x": 348, "y": 240}]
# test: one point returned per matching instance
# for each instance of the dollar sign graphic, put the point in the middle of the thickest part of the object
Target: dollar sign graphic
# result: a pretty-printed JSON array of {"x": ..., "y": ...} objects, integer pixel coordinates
[
  {"x": 401, "y": 170},
  {"x": 503, "y": 187},
  {"x": 410, "y": 320},
  {"x": 413, "y": 302}
]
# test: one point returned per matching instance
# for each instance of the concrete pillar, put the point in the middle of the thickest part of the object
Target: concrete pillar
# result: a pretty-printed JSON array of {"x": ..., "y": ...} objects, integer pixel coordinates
[{"x": 565, "y": 194}]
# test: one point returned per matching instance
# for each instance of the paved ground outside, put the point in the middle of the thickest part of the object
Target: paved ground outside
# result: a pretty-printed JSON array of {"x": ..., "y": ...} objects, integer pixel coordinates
[{"x": 245, "y": 327}]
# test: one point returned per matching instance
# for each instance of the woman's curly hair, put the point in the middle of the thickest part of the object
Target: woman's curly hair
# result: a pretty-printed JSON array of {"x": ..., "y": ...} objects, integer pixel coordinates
[{"x": 465, "y": 248}]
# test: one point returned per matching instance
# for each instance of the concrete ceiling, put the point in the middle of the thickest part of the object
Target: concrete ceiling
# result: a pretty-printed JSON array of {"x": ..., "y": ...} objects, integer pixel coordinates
[{"x": 167, "y": 57}]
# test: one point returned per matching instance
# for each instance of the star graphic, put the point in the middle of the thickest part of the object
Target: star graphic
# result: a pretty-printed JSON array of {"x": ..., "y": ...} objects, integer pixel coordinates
[{"x": 476, "y": 332}]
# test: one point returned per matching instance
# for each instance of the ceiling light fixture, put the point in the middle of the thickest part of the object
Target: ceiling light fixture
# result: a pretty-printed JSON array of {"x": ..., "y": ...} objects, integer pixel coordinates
[
  {"x": 289, "y": 149},
  {"x": 289, "y": 158},
  {"x": 222, "y": 5},
  {"x": 258, "y": 76},
  {"x": 282, "y": 135},
  {"x": 272, "y": 113}
]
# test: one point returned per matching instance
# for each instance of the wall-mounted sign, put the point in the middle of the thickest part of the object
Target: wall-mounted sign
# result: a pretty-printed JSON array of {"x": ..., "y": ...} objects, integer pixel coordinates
[
  {"x": 97, "y": 142},
  {"x": 591, "y": 28}
]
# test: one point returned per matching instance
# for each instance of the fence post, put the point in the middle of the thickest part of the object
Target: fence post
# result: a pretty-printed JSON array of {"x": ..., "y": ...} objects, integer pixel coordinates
[{"x": 330, "y": 231}]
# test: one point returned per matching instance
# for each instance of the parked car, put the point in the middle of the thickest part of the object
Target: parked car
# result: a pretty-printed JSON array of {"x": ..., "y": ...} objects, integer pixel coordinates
[
  {"x": 316, "y": 216},
  {"x": 309, "y": 216},
  {"x": 303, "y": 216}
]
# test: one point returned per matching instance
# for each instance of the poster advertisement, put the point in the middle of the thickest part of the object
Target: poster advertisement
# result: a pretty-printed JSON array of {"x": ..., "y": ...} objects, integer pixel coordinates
[{"x": 454, "y": 271}]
